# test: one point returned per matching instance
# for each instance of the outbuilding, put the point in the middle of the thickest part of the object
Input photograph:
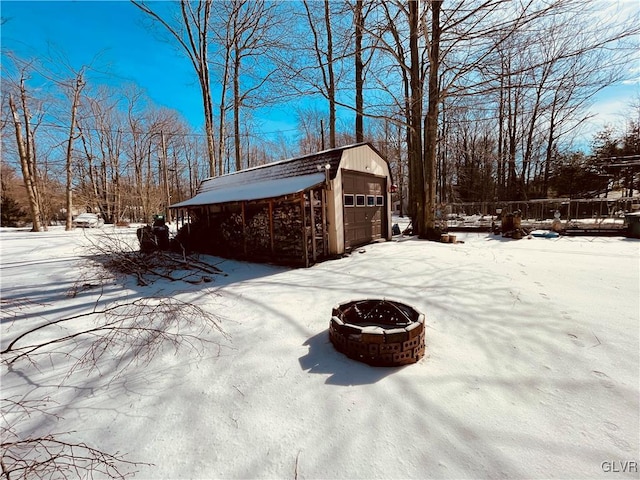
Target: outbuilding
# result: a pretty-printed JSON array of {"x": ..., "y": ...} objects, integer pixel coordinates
[{"x": 296, "y": 211}]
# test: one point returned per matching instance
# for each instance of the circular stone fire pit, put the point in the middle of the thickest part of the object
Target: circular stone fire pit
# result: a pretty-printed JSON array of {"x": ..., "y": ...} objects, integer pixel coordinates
[{"x": 379, "y": 332}]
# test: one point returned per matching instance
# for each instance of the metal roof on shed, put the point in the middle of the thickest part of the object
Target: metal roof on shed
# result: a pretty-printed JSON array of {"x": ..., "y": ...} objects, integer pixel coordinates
[
  {"x": 272, "y": 188},
  {"x": 269, "y": 181}
]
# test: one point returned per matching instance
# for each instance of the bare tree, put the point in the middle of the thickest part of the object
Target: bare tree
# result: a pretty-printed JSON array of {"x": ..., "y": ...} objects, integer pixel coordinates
[
  {"x": 79, "y": 84},
  {"x": 26, "y": 152},
  {"x": 428, "y": 228},
  {"x": 107, "y": 143},
  {"x": 309, "y": 122},
  {"x": 250, "y": 36},
  {"x": 191, "y": 31},
  {"x": 359, "y": 68},
  {"x": 417, "y": 192},
  {"x": 326, "y": 59},
  {"x": 398, "y": 70}
]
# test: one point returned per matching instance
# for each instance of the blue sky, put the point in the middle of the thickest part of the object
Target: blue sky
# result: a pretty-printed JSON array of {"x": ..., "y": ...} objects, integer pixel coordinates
[{"x": 112, "y": 37}]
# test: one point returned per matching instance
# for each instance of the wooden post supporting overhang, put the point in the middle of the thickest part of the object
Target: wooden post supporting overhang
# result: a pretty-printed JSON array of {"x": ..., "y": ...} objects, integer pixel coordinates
[
  {"x": 312, "y": 219},
  {"x": 325, "y": 237},
  {"x": 271, "y": 225},
  {"x": 244, "y": 231},
  {"x": 304, "y": 231}
]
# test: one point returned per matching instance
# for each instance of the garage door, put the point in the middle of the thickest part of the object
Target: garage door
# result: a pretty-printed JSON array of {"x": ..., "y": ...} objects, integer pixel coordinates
[{"x": 364, "y": 198}]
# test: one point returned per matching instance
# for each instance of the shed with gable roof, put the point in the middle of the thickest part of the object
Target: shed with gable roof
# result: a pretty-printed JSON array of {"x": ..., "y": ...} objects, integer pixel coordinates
[{"x": 296, "y": 211}]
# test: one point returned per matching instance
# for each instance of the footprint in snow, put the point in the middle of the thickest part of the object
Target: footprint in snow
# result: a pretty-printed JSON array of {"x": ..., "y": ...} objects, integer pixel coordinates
[
  {"x": 575, "y": 340},
  {"x": 604, "y": 379}
]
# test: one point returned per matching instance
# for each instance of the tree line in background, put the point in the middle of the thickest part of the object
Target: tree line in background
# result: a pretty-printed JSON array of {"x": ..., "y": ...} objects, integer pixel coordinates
[{"x": 469, "y": 101}]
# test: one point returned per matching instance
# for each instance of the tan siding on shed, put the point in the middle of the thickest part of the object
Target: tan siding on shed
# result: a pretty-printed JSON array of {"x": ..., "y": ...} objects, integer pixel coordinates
[{"x": 360, "y": 159}]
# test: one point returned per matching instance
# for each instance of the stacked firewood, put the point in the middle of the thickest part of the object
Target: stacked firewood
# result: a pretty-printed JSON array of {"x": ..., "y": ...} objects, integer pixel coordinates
[
  {"x": 232, "y": 231},
  {"x": 287, "y": 228},
  {"x": 258, "y": 233}
]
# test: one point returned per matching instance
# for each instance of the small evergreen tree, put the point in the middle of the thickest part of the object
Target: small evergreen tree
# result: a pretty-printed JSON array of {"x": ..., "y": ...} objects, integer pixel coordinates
[{"x": 11, "y": 213}]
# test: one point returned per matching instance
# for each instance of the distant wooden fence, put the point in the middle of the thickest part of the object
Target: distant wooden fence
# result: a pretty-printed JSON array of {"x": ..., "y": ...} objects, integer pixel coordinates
[{"x": 543, "y": 209}]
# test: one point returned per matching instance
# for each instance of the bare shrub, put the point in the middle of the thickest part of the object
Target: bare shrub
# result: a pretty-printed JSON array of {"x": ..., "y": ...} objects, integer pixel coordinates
[
  {"x": 132, "y": 332},
  {"x": 108, "y": 338},
  {"x": 121, "y": 256},
  {"x": 52, "y": 455}
]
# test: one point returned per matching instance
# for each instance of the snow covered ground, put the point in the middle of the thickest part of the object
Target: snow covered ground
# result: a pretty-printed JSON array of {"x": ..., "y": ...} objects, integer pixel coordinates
[{"x": 532, "y": 367}]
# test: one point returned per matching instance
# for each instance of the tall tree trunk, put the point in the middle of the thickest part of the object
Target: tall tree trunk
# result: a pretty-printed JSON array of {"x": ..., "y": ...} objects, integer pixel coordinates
[
  {"x": 325, "y": 65},
  {"x": 105, "y": 190},
  {"x": 331, "y": 90},
  {"x": 165, "y": 180},
  {"x": 442, "y": 160},
  {"x": 200, "y": 61},
  {"x": 512, "y": 125},
  {"x": 549, "y": 151},
  {"x": 528, "y": 150},
  {"x": 115, "y": 167},
  {"x": 400, "y": 173},
  {"x": 91, "y": 171},
  {"x": 223, "y": 110},
  {"x": 69, "y": 171},
  {"x": 359, "y": 23},
  {"x": 501, "y": 161},
  {"x": 408, "y": 84},
  {"x": 236, "y": 108},
  {"x": 414, "y": 150},
  {"x": 27, "y": 163},
  {"x": 431, "y": 124},
  {"x": 208, "y": 125}
]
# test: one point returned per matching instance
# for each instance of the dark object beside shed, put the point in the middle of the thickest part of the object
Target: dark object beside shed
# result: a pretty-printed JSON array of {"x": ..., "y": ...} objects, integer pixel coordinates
[{"x": 633, "y": 224}]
